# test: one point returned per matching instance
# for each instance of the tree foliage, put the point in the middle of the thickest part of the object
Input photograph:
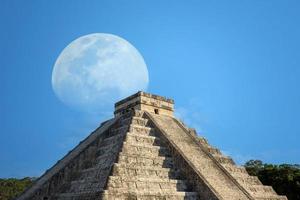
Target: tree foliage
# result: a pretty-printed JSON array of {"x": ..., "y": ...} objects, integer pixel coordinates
[
  {"x": 12, "y": 187},
  {"x": 284, "y": 178}
]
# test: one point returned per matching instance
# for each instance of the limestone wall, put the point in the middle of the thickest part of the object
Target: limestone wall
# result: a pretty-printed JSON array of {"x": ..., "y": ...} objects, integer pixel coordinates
[{"x": 146, "y": 102}]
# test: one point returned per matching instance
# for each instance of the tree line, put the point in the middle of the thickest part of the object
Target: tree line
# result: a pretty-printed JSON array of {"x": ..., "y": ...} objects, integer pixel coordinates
[
  {"x": 284, "y": 178},
  {"x": 12, "y": 187}
]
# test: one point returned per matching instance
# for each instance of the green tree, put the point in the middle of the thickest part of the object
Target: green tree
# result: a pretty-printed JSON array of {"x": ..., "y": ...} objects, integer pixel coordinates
[
  {"x": 284, "y": 178},
  {"x": 12, "y": 187}
]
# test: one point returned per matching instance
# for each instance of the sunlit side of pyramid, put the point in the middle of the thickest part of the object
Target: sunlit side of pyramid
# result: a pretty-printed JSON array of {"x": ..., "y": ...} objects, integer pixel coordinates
[{"x": 144, "y": 152}]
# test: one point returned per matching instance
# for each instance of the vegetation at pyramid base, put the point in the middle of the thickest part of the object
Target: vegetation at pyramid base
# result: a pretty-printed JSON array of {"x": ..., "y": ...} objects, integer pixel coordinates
[
  {"x": 12, "y": 187},
  {"x": 284, "y": 178}
]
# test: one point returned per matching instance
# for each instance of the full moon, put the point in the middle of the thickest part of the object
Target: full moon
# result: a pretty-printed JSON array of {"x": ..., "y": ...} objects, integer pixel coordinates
[{"x": 96, "y": 70}]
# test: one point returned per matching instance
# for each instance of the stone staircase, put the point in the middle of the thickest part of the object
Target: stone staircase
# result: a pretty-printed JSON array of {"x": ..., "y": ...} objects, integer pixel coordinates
[
  {"x": 144, "y": 168},
  {"x": 251, "y": 183},
  {"x": 130, "y": 163}
]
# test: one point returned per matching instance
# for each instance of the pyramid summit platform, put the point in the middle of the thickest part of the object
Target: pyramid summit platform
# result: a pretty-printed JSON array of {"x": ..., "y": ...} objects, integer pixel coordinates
[{"x": 145, "y": 153}]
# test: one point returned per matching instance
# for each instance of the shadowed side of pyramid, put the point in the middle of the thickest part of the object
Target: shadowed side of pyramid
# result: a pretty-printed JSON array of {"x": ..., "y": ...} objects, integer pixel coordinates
[{"x": 146, "y": 153}]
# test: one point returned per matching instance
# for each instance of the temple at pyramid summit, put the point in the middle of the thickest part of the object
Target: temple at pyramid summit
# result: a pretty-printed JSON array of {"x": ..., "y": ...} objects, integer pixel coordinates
[{"x": 145, "y": 153}]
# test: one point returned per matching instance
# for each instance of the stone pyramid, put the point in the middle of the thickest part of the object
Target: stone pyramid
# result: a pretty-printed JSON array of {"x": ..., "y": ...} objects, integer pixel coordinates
[{"x": 144, "y": 152}]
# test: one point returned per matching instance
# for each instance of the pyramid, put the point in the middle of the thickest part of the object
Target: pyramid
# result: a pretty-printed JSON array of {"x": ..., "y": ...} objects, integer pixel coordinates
[{"x": 145, "y": 153}]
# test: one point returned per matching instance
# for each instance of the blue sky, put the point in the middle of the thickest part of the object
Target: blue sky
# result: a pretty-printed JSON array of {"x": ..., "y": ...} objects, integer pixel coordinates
[{"x": 233, "y": 69}]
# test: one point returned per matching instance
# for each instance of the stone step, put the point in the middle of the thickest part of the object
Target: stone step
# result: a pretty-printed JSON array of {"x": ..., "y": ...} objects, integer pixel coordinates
[
  {"x": 261, "y": 190},
  {"x": 95, "y": 172},
  {"x": 117, "y": 138},
  {"x": 84, "y": 186},
  {"x": 118, "y": 130},
  {"x": 91, "y": 169},
  {"x": 223, "y": 159},
  {"x": 277, "y": 197},
  {"x": 248, "y": 180},
  {"x": 108, "y": 148},
  {"x": 78, "y": 196},
  {"x": 133, "y": 113},
  {"x": 107, "y": 159},
  {"x": 145, "y": 179},
  {"x": 236, "y": 170},
  {"x": 146, "y": 184},
  {"x": 153, "y": 172},
  {"x": 148, "y": 195},
  {"x": 145, "y": 139},
  {"x": 141, "y": 130},
  {"x": 86, "y": 179},
  {"x": 144, "y": 150},
  {"x": 150, "y": 156},
  {"x": 135, "y": 121},
  {"x": 135, "y": 160}
]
